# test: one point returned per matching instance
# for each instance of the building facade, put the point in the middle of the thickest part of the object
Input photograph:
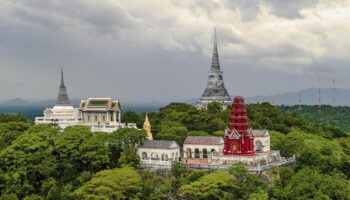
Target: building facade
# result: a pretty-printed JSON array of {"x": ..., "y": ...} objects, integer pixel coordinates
[
  {"x": 63, "y": 113},
  {"x": 238, "y": 140},
  {"x": 158, "y": 153},
  {"x": 215, "y": 90},
  {"x": 261, "y": 140},
  {"x": 102, "y": 114},
  {"x": 202, "y": 147}
]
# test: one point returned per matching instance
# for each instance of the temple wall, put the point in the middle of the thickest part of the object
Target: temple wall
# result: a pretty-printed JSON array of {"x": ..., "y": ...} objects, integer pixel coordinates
[{"x": 256, "y": 160}]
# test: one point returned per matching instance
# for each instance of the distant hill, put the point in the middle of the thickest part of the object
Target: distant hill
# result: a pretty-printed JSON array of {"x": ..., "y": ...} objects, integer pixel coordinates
[
  {"x": 16, "y": 101},
  {"x": 338, "y": 116},
  {"x": 34, "y": 102},
  {"x": 33, "y": 108},
  {"x": 308, "y": 97}
]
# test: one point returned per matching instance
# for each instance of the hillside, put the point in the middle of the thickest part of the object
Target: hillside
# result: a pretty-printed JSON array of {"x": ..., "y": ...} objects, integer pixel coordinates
[
  {"x": 42, "y": 162},
  {"x": 338, "y": 116},
  {"x": 308, "y": 97}
]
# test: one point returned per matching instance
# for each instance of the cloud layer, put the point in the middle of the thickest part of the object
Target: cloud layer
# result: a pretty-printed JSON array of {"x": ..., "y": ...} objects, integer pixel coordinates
[{"x": 154, "y": 50}]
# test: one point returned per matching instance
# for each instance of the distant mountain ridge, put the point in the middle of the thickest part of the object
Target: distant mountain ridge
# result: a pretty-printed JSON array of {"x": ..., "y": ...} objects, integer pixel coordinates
[{"x": 309, "y": 96}]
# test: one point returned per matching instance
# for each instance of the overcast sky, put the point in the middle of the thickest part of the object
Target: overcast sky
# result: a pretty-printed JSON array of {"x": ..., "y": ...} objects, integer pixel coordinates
[{"x": 145, "y": 50}]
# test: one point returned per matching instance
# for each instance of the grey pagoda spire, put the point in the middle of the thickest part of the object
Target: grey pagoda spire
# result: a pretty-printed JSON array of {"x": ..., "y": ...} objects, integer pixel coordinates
[
  {"x": 215, "y": 90},
  {"x": 62, "y": 98}
]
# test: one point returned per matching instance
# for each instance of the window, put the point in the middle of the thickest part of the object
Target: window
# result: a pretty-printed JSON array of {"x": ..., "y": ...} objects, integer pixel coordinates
[
  {"x": 213, "y": 152},
  {"x": 103, "y": 118},
  {"x": 144, "y": 156},
  {"x": 258, "y": 145},
  {"x": 96, "y": 118},
  {"x": 164, "y": 157},
  {"x": 196, "y": 153},
  {"x": 188, "y": 153},
  {"x": 205, "y": 153},
  {"x": 154, "y": 156}
]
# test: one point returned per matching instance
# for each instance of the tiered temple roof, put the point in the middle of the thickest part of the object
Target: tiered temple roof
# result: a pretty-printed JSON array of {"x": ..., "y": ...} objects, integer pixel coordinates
[
  {"x": 216, "y": 90},
  {"x": 62, "y": 98}
]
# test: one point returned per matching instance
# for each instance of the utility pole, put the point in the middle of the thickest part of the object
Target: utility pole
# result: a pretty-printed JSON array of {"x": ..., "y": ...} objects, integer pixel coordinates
[
  {"x": 319, "y": 93},
  {"x": 333, "y": 91}
]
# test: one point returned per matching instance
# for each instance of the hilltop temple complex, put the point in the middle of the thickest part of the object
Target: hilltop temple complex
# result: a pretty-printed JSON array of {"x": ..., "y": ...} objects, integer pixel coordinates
[
  {"x": 63, "y": 112},
  {"x": 239, "y": 143},
  {"x": 101, "y": 114},
  {"x": 215, "y": 90}
]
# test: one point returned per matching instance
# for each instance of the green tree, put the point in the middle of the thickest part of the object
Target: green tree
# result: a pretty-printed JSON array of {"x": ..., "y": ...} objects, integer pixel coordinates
[
  {"x": 198, "y": 133},
  {"x": 130, "y": 158},
  {"x": 216, "y": 185},
  {"x": 123, "y": 183},
  {"x": 214, "y": 107},
  {"x": 177, "y": 168},
  {"x": 177, "y": 134},
  {"x": 79, "y": 150},
  {"x": 9, "y": 131},
  {"x": 157, "y": 186},
  {"x": 124, "y": 138},
  {"x": 132, "y": 117},
  {"x": 12, "y": 118},
  {"x": 311, "y": 184},
  {"x": 33, "y": 197},
  {"x": 27, "y": 162},
  {"x": 8, "y": 197},
  {"x": 259, "y": 195},
  {"x": 247, "y": 183}
]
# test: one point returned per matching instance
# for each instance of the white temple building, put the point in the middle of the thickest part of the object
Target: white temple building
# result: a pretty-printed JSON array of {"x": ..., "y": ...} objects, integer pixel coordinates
[
  {"x": 202, "y": 146},
  {"x": 102, "y": 114},
  {"x": 63, "y": 113},
  {"x": 158, "y": 153}
]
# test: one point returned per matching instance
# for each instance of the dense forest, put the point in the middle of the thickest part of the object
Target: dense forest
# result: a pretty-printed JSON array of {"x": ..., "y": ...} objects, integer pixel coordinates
[
  {"x": 337, "y": 116},
  {"x": 40, "y": 162}
]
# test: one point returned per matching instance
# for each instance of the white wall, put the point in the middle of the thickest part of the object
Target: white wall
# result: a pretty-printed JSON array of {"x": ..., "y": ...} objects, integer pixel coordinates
[
  {"x": 218, "y": 149},
  {"x": 173, "y": 155}
]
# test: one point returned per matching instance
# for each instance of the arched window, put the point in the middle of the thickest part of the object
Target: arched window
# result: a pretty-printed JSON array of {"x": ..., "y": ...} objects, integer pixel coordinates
[
  {"x": 258, "y": 145},
  {"x": 154, "y": 156},
  {"x": 205, "y": 153},
  {"x": 144, "y": 156},
  {"x": 213, "y": 152},
  {"x": 164, "y": 157},
  {"x": 188, "y": 153},
  {"x": 196, "y": 153}
]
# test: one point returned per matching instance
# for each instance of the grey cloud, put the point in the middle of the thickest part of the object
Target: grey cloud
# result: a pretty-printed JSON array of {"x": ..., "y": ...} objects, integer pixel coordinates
[
  {"x": 249, "y": 9},
  {"x": 101, "y": 16},
  {"x": 289, "y": 9},
  {"x": 161, "y": 50}
]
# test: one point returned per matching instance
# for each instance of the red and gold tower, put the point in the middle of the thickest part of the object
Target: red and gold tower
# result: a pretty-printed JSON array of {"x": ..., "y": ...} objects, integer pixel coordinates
[{"x": 237, "y": 139}]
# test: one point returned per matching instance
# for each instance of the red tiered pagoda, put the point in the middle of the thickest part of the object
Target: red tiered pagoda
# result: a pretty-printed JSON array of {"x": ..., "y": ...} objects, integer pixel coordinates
[{"x": 237, "y": 139}]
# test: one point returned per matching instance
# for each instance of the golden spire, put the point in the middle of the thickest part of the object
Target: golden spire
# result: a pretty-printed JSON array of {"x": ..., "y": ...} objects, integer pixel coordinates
[{"x": 147, "y": 128}]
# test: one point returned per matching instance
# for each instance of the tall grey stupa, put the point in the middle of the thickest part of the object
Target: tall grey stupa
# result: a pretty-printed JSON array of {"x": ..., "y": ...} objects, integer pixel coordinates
[
  {"x": 215, "y": 90},
  {"x": 62, "y": 98}
]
